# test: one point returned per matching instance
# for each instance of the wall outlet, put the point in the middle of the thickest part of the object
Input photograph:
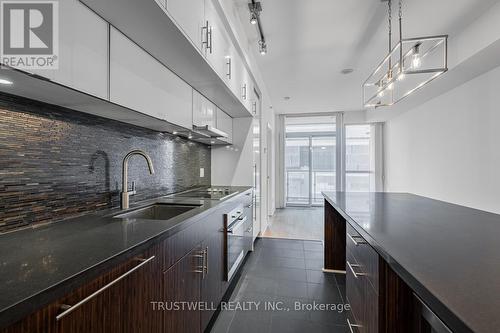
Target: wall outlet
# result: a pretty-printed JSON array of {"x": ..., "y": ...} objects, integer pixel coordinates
[{"x": 202, "y": 172}]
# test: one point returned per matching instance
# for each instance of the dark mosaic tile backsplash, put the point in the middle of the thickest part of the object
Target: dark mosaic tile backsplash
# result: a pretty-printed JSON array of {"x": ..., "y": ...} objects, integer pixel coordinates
[{"x": 56, "y": 163}]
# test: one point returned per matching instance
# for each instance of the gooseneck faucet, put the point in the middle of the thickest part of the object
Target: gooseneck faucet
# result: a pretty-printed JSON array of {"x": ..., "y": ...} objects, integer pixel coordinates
[{"x": 125, "y": 195}]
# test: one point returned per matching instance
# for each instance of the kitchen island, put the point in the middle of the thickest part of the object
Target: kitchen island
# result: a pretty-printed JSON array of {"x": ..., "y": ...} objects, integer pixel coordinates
[{"x": 417, "y": 255}]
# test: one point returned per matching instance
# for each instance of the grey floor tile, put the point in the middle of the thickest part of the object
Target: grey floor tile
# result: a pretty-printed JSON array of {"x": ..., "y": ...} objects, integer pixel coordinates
[
  {"x": 314, "y": 264},
  {"x": 280, "y": 274},
  {"x": 259, "y": 285},
  {"x": 313, "y": 255},
  {"x": 314, "y": 276},
  {"x": 250, "y": 322},
  {"x": 281, "y": 252},
  {"x": 282, "y": 244},
  {"x": 292, "y": 289},
  {"x": 276, "y": 273},
  {"x": 336, "y": 316},
  {"x": 292, "y": 308},
  {"x": 266, "y": 261},
  {"x": 313, "y": 246},
  {"x": 327, "y": 293}
]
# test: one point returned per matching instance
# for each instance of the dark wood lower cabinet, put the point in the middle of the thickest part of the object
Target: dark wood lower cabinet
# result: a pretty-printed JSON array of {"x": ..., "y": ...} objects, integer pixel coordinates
[
  {"x": 114, "y": 302},
  {"x": 182, "y": 289},
  {"x": 211, "y": 284},
  {"x": 380, "y": 300}
]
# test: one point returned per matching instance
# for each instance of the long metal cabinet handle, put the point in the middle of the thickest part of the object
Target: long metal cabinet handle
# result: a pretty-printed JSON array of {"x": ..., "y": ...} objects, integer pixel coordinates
[
  {"x": 209, "y": 39},
  {"x": 352, "y": 325},
  {"x": 204, "y": 36},
  {"x": 351, "y": 267},
  {"x": 237, "y": 225},
  {"x": 255, "y": 194},
  {"x": 206, "y": 260},
  {"x": 229, "y": 69},
  {"x": 351, "y": 237},
  {"x": 97, "y": 292},
  {"x": 244, "y": 93}
]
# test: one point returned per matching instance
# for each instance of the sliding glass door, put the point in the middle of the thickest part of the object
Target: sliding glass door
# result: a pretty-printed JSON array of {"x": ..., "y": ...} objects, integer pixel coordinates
[{"x": 310, "y": 159}]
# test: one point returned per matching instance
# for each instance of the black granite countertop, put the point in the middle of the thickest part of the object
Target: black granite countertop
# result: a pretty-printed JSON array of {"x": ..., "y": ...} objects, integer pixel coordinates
[
  {"x": 42, "y": 263},
  {"x": 448, "y": 254}
]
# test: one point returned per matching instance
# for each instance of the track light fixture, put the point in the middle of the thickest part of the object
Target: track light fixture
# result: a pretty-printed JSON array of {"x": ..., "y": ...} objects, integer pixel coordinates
[
  {"x": 262, "y": 47},
  {"x": 255, "y": 8},
  {"x": 253, "y": 18}
]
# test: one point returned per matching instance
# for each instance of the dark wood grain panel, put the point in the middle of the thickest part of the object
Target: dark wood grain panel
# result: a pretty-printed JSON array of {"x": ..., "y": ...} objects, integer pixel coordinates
[
  {"x": 335, "y": 245},
  {"x": 116, "y": 309},
  {"x": 182, "y": 283},
  {"x": 396, "y": 306}
]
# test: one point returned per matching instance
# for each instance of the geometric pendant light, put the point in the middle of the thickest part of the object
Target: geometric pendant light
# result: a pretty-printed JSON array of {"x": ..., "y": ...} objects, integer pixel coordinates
[{"x": 409, "y": 65}]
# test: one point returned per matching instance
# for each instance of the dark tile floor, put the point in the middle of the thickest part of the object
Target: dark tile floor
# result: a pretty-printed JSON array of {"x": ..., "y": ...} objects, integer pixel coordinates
[{"x": 283, "y": 272}]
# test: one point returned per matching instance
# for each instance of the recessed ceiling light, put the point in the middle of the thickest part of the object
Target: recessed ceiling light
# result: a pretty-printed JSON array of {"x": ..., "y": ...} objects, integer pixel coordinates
[
  {"x": 346, "y": 71},
  {"x": 6, "y": 82},
  {"x": 287, "y": 98}
]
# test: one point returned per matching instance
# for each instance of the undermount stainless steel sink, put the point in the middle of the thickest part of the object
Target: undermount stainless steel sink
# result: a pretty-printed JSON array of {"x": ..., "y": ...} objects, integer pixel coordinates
[{"x": 158, "y": 211}]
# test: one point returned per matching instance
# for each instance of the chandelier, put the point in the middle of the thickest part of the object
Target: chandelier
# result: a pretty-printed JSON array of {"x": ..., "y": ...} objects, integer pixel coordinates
[{"x": 409, "y": 65}]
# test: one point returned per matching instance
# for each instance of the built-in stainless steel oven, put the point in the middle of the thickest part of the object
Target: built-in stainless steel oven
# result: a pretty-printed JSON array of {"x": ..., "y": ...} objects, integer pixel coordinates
[{"x": 238, "y": 238}]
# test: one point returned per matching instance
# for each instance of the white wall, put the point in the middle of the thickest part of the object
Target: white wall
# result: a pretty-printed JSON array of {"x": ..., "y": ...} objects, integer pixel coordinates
[
  {"x": 235, "y": 166},
  {"x": 449, "y": 147}
]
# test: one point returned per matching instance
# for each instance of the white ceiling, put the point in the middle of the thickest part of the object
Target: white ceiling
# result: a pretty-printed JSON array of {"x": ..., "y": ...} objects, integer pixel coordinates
[{"x": 311, "y": 41}]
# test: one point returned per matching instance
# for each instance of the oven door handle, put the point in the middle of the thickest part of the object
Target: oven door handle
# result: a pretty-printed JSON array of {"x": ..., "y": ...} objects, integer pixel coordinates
[{"x": 241, "y": 220}]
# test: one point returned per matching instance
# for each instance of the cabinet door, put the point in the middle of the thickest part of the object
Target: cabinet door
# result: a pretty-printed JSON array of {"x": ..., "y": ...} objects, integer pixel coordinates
[
  {"x": 83, "y": 50},
  {"x": 247, "y": 92},
  {"x": 139, "y": 290},
  {"x": 236, "y": 72},
  {"x": 190, "y": 16},
  {"x": 118, "y": 305},
  {"x": 181, "y": 284},
  {"x": 219, "y": 42},
  {"x": 140, "y": 82},
  {"x": 225, "y": 123},
  {"x": 212, "y": 279},
  {"x": 204, "y": 111}
]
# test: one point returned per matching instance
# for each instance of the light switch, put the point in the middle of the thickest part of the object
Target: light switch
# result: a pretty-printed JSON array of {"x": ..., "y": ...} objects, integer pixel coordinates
[{"x": 202, "y": 172}]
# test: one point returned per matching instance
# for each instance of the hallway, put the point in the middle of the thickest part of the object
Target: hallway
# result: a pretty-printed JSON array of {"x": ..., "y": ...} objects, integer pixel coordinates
[
  {"x": 296, "y": 223},
  {"x": 284, "y": 272}
]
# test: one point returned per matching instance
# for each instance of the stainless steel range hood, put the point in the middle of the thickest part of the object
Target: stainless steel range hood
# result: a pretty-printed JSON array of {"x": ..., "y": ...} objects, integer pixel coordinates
[{"x": 210, "y": 131}]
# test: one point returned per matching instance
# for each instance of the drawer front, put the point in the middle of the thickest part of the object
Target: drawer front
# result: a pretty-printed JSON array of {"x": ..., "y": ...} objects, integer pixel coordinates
[
  {"x": 356, "y": 294},
  {"x": 365, "y": 256}
]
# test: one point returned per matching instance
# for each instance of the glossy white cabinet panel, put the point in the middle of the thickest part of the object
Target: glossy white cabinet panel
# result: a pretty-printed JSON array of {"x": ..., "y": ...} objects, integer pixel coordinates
[
  {"x": 219, "y": 40},
  {"x": 190, "y": 16},
  {"x": 204, "y": 111},
  {"x": 225, "y": 124},
  {"x": 140, "y": 82},
  {"x": 83, "y": 50}
]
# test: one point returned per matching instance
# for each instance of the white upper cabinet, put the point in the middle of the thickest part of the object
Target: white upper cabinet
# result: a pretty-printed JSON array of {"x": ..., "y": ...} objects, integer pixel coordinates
[
  {"x": 219, "y": 42},
  {"x": 190, "y": 16},
  {"x": 225, "y": 124},
  {"x": 246, "y": 90},
  {"x": 83, "y": 50},
  {"x": 204, "y": 111},
  {"x": 140, "y": 82}
]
